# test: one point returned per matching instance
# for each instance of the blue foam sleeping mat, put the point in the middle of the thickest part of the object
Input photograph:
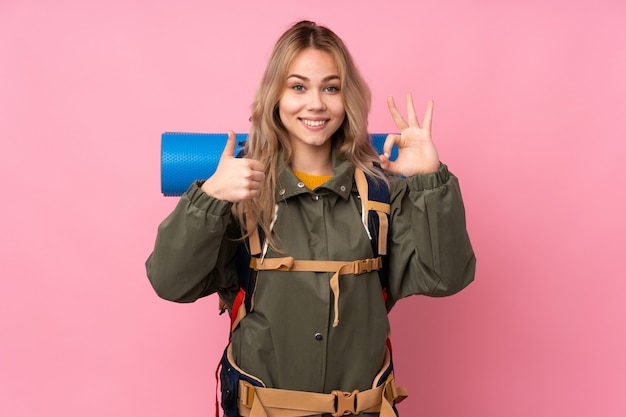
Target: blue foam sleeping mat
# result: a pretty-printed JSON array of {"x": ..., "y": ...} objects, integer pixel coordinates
[{"x": 186, "y": 157}]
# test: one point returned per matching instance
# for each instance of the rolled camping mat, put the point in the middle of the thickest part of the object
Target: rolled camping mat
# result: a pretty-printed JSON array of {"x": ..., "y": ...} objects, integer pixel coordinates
[{"x": 187, "y": 157}]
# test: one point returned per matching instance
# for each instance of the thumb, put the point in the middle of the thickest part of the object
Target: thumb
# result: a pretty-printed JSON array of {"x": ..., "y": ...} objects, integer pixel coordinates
[{"x": 231, "y": 143}]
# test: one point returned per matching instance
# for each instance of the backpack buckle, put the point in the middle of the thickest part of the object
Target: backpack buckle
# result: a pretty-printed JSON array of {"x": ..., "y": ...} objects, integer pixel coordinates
[
  {"x": 345, "y": 403},
  {"x": 367, "y": 265},
  {"x": 246, "y": 395}
]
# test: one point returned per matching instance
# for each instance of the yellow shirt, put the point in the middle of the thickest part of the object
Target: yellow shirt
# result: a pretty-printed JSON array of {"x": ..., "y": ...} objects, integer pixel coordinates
[{"x": 312, "y": 181}]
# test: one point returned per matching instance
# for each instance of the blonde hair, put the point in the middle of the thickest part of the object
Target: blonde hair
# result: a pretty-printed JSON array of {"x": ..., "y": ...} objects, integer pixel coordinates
[{"x": 268, "y": 138}]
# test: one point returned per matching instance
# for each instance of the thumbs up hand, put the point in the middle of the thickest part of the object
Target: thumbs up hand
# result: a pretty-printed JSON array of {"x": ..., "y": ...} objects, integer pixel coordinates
[{"x": 235, "y": 179}]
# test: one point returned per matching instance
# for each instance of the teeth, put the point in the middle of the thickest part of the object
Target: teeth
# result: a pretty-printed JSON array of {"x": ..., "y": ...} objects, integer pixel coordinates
[{"x": 314, "y": 123}]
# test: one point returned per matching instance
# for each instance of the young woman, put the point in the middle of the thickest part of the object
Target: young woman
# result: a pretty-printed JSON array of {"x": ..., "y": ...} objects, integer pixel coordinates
[{"x": 309, "y": 314}]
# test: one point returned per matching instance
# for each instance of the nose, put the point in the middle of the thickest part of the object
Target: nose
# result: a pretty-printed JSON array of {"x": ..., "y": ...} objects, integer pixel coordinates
[{"x": 316, "y": 101}]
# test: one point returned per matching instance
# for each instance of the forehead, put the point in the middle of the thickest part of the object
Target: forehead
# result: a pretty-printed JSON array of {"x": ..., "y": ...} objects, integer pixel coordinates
[{"x": 310, "y": 62}]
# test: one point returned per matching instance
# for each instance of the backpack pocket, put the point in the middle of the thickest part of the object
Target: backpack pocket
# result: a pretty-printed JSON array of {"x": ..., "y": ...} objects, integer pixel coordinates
[{"x": 230, "y": 375}]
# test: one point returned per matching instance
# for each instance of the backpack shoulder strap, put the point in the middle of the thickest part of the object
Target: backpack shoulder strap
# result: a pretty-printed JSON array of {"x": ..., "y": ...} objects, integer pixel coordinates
[
  {"x": 374, "y": 196},
  {"x": 247, "y": 251},
  {"x": 376, "y": 202}
]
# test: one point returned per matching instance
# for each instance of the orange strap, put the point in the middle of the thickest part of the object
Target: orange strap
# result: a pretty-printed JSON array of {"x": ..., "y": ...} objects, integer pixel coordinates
[
  {"x": 260, "y": 401},
  {"x": 383, "y": 209},
  {"x": 338, "y": 267},
  {"x": 272, "y": 402}
]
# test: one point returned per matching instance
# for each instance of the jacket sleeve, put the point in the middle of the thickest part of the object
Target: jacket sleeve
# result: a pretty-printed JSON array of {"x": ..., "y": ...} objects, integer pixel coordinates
[
  {"x": 430, "y": 251},
  {"x": 195, "y": 249}
]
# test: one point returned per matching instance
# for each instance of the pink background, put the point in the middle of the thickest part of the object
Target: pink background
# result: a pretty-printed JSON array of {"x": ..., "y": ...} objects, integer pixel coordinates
[{"x": 530, "y": 101}]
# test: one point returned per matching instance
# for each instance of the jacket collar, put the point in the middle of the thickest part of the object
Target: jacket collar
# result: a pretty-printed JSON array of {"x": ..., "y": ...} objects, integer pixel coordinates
[{"x": 341, "y": 183}]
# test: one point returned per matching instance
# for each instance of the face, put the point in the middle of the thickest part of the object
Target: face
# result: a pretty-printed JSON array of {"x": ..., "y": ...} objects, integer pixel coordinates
[{"x": 311, "y": 105}]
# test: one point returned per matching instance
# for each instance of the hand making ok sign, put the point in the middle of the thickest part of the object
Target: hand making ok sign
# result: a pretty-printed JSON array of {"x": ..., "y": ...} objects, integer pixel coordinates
[{"x": 416, "y": 151}]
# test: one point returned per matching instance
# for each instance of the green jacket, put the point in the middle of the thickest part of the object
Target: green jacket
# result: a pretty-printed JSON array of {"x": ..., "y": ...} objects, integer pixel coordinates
[{"x": 288, "y": 340}]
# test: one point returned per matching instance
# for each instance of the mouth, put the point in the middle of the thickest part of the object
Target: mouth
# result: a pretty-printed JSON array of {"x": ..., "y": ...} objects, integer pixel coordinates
[{"x": 314, "y": 123}]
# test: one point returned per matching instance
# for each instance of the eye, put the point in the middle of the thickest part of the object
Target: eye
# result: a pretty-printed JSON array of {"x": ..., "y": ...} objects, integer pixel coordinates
[
  {"x": 298, "y": 87},
  {"x": 332, "y": 89}
]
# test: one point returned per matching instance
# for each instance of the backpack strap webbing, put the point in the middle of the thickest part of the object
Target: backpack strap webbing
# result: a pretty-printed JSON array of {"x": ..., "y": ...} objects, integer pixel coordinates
[
  {"x": 259, "y": 401},
  {"x": 376, "y": 209},
  {"x": 338, "y": 267}
]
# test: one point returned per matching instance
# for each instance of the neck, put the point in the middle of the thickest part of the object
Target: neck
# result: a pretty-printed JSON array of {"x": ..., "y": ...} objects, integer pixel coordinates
[
  {"x": 313, "y": 161},
  {"x": 313, "y": 164}
]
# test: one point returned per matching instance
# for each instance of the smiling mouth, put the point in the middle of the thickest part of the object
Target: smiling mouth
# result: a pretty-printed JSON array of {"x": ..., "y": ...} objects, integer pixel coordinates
[{"x": 314, "y": 123}]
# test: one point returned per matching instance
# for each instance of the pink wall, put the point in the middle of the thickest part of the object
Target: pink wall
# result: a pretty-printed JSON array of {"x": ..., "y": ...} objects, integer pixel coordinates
[{"x": 529, "y": 114}]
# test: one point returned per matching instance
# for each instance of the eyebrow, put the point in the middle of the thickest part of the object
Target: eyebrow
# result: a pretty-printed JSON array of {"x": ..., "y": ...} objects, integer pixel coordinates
[{"x": 303, "y": 78}]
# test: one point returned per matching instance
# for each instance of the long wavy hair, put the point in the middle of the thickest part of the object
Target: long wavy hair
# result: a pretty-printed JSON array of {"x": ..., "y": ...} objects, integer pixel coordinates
[{"x": 269, "y": 141}]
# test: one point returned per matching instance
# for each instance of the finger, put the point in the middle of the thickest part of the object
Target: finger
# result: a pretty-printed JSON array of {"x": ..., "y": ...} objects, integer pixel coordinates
[
  {"x": 255, "y": 185},
  {"x": 256, "y": 175},
  {"x": 428, "y": 117},
  {"x": 389, "y": 142},
  {"x": 383, "y": 161},
  {"x": 255, "y": 166},
  {"x": 231, "y": 144},
  {"x": 410, "y": 109},
  {"x": 387, "y": 164},
  {"x": 395, "y": 114}
]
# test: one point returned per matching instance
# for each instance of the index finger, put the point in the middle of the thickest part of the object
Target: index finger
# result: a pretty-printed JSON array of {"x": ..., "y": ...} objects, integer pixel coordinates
[
  {"x": 255, "y": 165},
  {"x": 390, "y": 141}
]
